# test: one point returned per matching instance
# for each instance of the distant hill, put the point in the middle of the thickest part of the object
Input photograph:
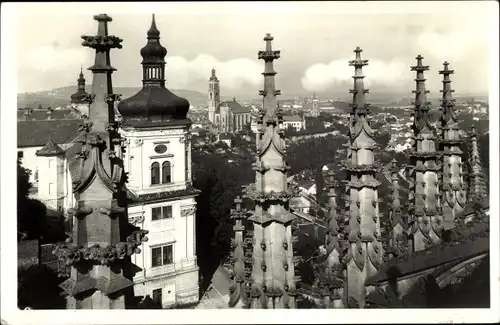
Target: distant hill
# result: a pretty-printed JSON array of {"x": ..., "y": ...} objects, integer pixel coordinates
[{"x": 60, "y": 96}]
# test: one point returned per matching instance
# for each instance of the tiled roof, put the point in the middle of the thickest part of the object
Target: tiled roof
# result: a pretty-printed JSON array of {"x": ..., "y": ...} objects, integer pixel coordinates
[
  {"x": 38, "y": 133},
  {"x": 234, "y": 106}
]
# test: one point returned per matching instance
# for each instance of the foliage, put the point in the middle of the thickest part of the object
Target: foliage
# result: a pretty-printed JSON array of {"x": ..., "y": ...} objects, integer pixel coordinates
[
  {"x": 38, "y": 288},
  {"x": 23, "y": 183}
]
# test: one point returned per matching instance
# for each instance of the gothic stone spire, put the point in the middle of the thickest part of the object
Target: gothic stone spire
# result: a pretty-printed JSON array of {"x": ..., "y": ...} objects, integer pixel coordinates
[
  {"x": 478, "y": 190},
  {"x": 273, "y": 264},
  {"x": 365, "y": 250},
  {"x": 453, "y": 186},
  {"x": 424, "y": 206},
  {"x": 97, "y": 252}
]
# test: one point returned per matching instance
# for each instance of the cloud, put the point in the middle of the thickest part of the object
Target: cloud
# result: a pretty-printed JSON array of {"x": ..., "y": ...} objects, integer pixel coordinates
[
  {"x": 56, "y": 58},
  {"x": 234, "y": 73},
  {"x": 323, "y": 77}
]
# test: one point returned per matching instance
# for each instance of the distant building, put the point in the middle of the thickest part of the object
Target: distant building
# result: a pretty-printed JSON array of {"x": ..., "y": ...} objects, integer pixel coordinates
[
  {"x": 35, "y": 134},
  {"x": 228, "y": 116},
  {"x": 294, "y": 121}
]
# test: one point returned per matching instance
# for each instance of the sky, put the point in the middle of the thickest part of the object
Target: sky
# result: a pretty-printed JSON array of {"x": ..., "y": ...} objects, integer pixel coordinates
[{"x": 316, "y": 40}]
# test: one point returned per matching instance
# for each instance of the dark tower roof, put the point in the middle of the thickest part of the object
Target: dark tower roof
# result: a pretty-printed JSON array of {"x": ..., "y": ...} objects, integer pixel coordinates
[
  {"x": 153, "y": 105},
  {"x": 213, "y": 77},
  {"x": 80, "y": 96}
]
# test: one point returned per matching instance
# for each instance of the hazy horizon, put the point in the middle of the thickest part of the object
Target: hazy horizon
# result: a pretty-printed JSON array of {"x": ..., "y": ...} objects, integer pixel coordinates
[{"x": 315, "y": 45}]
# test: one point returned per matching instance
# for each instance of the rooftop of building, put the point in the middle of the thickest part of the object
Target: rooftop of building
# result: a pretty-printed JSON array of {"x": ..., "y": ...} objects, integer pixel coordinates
[
  {"x": 234, "y": 106},
  {"x": 39, "y": 133},
  {"x": 292, "y": 118},
  {"x": 44, "y": 114}
]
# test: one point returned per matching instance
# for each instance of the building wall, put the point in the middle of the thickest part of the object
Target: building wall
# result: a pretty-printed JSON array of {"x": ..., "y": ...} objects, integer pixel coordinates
[
  {"x": 298, "y": 125},
  {"x": 30, "y": 160},
  {"x": 140, "y": 154},
  {"x": 52, "y": 182},
  {"x": 177, "y": 281}
]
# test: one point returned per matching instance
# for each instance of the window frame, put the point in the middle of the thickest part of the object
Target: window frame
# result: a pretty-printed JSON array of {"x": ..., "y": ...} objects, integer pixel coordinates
[
  {"x": 162, "y": 258},
  {"x": 167, "y": 160},
  {"x": 161, "y": 215}
]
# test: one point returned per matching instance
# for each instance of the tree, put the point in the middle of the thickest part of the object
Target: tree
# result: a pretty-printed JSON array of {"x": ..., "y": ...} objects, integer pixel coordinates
[
  {"x": 23, "y": 183},
  {"x": 30, "y": 213},
  {"x": 38, "y": 288}
]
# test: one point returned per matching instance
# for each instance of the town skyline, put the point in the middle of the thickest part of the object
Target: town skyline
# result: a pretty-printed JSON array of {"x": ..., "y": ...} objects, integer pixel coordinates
[{"x": 312, "y": 60}]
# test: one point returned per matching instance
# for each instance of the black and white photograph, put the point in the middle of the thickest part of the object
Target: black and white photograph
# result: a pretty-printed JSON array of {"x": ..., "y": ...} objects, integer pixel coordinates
[{"x": 224, "y": 157}]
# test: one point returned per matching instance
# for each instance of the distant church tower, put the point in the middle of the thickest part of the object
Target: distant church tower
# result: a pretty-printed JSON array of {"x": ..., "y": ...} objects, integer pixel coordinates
[
  {"x": 315, "y": 106},
  {"x": 213, "y": 96},
  {"x": 79, "y": 100},
  {"x": 161, "y": 195}
]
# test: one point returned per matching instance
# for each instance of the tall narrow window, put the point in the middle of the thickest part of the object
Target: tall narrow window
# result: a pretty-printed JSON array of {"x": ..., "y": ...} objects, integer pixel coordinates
[
  {"x": 166, "y": 172},
  {"x": 168, "y": 254},
  {"x": 155, "y": 173},
  {"x": 156, "y": 259},
  {"x": 163, "y": 255},
  {"x": 167, "y": 212},
  {"x": 156, "y": 214}
]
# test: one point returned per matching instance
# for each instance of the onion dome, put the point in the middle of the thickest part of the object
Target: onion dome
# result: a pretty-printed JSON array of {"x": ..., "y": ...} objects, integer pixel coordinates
[
  {"x": 81, "y": 94},
  {"x": 153, "y": 105}
]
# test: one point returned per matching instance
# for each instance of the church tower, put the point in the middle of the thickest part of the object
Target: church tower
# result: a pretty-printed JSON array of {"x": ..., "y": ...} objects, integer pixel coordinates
[
  {"x": 98, "y": 253},
  {"x": 364, "y": 234},
  {"x": 78, "y": 99},
  {"x": 161, "y": 195},
  {"x": 315, "y": 106},
  {"x": 424, "y": 211},
  {"x": 271, "y": 271},
  {"x": 213, "y": 96}
]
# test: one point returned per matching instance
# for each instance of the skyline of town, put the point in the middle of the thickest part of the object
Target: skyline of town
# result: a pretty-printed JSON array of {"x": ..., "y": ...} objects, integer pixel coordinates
[
  {"x": 228, "y": 199},
  {"x": 313, "y": 61}
]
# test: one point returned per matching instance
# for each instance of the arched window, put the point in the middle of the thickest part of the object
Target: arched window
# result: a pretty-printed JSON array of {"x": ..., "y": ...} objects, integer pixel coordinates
[
  {"x": 155, "y": 173},
  {"x": 166, "y": 173}
]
